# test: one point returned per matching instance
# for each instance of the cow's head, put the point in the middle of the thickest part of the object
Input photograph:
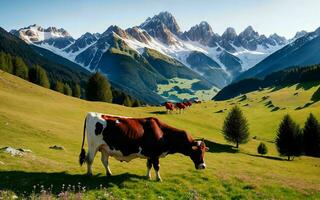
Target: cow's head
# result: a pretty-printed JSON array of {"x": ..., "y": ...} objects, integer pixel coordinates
[{"x": 197, "y": 154}]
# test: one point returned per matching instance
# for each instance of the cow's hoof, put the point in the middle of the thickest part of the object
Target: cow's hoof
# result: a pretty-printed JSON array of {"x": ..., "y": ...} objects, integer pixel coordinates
[
  {"x": 109, "y": 174},
  {"x": 148, "y": 177},
  {"x": 159, "y": 179}
]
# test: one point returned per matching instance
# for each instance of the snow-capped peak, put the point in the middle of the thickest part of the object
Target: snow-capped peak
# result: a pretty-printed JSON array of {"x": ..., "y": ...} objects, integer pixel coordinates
[{"x": 36, "y": 33}]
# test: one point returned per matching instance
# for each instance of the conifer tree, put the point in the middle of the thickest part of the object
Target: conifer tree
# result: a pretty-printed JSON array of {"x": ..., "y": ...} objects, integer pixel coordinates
[
  {"x": 311, "y": 136},
  {"x": 38, "y": 75},
  {"x": 235, "y": 127},
  {"x": 98, "y": 88},
  {"x": 289, "y": 138}
]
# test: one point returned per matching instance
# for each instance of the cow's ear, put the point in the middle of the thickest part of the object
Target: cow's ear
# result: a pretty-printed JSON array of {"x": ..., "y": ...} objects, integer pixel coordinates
[
  {"x": 207, "y": 149},
  {"x": 194, "y": 147}
]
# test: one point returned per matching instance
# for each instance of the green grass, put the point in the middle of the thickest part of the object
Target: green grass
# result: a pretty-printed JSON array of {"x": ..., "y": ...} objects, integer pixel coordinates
[
  {"x": 35, "y": 118},
  {"x": 182, "y": 83}
]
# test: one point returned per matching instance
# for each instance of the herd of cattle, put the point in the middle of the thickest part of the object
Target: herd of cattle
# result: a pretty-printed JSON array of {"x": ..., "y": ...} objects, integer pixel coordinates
[{"x": 179, "y": 105}]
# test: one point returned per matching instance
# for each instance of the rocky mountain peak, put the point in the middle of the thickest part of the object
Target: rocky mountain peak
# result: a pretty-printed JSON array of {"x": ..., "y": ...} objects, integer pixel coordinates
[
  {"x": 229, "y": 34},
  {"x": 201, "y": 32},
  {"x": 115, "y": 29},
  {"x": 249, "y": 32},
  {"x": 165, "y": 18}
]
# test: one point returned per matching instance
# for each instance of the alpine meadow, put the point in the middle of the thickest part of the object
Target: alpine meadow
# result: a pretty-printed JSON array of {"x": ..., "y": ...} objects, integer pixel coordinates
[{"x": 159, "y": 104}]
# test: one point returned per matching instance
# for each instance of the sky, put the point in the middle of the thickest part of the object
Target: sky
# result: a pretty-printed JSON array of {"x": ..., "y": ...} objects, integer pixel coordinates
[{"x": 284, "y": 17}]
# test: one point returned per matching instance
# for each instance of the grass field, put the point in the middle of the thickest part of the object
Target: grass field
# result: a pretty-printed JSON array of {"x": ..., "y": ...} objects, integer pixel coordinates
[
  {"x": 184, "y": 84},
  {"x": 35, "y": 118}
]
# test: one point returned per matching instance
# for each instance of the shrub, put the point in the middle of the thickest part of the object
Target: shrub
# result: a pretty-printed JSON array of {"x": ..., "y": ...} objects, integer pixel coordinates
[
  {"x": 235, "y": 127},
  {"x": 262, "y": 149},
  {"x": 289, "y": 138}
]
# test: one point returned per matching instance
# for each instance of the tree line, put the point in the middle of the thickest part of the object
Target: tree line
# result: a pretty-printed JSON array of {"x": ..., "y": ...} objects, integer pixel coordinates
[
  {"x": 290, "y": 140},
  {"x": 98, "y": 88},
  {"x": 281, "y": 78}
]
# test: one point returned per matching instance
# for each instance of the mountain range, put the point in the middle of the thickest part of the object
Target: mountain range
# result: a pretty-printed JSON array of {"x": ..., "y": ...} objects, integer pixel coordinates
[{"x": 158, "y": 54}]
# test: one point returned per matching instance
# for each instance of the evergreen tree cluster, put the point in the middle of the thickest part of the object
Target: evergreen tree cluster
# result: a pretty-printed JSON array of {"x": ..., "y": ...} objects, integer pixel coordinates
[
  {"x": 98, "y": 87},
  {"x": 14, "y": 65},
  {"x": 280, "y": 78},
  {"x": 65, "y": 88},
  {"x": 292, "y": 141}
]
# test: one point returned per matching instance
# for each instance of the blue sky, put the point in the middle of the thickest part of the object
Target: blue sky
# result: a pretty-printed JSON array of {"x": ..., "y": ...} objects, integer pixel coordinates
[{"x": 284, "y": 17}]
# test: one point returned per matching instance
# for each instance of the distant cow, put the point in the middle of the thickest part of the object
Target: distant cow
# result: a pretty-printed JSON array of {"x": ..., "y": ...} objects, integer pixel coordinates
[
  {"x": 169, "y": 106},
  {"x": 197, "y": 101},
  {"x": 187, "y": 103},
  {"x": 180, "y": 106},
  {"x": 127, "y": 138}
]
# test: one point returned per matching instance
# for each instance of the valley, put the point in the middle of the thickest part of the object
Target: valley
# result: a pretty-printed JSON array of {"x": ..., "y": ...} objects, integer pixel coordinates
[{"x": 27, "y": 122}]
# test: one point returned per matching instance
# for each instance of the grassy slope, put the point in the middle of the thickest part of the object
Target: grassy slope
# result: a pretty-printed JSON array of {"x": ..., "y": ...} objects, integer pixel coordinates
[{"x": 36, "y": 118}]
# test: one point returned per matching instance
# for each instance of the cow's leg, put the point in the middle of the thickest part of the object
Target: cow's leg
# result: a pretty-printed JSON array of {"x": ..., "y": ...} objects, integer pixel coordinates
[
  {"x": 156, "y": 166},
  {"x": 149, "y": 166},
  {"x": 89, "y": 161},
  {"x": 105, "y": 161}
]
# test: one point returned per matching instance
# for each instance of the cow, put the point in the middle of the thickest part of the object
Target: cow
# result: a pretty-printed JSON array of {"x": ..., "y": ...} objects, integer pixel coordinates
[
  {"x": 169, "y": 106},
  {"x": 180, "y": 106},
  {"x": 126, "y": 138},
  {"x": 187, "y": 103}
]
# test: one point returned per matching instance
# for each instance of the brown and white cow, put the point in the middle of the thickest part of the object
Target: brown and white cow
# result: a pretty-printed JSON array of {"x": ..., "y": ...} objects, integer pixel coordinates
[
  {"x": 127, "y": 138},
  {"x": 169, "y": 106}
]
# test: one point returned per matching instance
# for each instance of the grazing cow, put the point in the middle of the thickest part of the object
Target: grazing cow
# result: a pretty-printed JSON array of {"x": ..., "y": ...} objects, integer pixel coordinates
[
  {"x": 197, "y": 101},
  {"x": 187, "y": 103},
  {"x": 127, "y": 138},
  {"x": 169, "y": 106},
  {"x": 180, "y": 106}
]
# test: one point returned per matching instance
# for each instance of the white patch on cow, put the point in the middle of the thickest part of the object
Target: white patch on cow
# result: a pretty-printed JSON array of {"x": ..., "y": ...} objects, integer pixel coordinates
[
  {"x": 198, "y": 143},
  {"x": 119, "y": 156},
  {"x": 149, "y": 173},
  {"x": 202, "y": 166},
  {"x": 117, "y": 121},
  {"x": 158, "y": 176}
]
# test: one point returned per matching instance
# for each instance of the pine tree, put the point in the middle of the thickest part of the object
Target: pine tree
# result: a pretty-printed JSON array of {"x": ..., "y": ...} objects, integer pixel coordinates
[
  {"x": 289, "y": 138},
  {"x": 235, "y": 127},
  {"x": 127, "y": 101},
  {"x": 136, "y": 103},
  {"x": 98, "y": 88},
  {"x": 262, "y": 149},
  {"x": 6, "y": 62},
  {"x": 67, "y": 89},
  {"x": 59, "y": 87},
  {"x": 38, "y": 75},
  {"x": 20, "y": 68},
  {"x": 76, "y": 91},
  {"x": 311, "y": 136}
]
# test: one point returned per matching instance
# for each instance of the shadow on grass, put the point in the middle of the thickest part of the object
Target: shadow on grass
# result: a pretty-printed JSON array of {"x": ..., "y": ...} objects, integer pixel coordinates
[
  {"x": 267, "y": 157},
  {"x": 220, "y": 148},
  {"x": 307, "y": 86},
  {"x": 22, "y": 183},
  {"x": 305, "y": 105},
  {"x": 159, "y": 112}
]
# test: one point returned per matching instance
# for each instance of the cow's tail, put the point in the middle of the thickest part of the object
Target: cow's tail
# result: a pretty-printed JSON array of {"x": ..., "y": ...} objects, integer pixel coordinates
[{"x": 82, "y": 156}]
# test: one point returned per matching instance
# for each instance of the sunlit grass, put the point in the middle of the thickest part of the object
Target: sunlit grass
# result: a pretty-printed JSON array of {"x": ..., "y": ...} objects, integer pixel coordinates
[{"x": 35, "y": 118}]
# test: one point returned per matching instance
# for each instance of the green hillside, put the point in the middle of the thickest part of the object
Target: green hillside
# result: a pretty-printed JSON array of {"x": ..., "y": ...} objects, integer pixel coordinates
[{"x": 35, "y": 118}]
